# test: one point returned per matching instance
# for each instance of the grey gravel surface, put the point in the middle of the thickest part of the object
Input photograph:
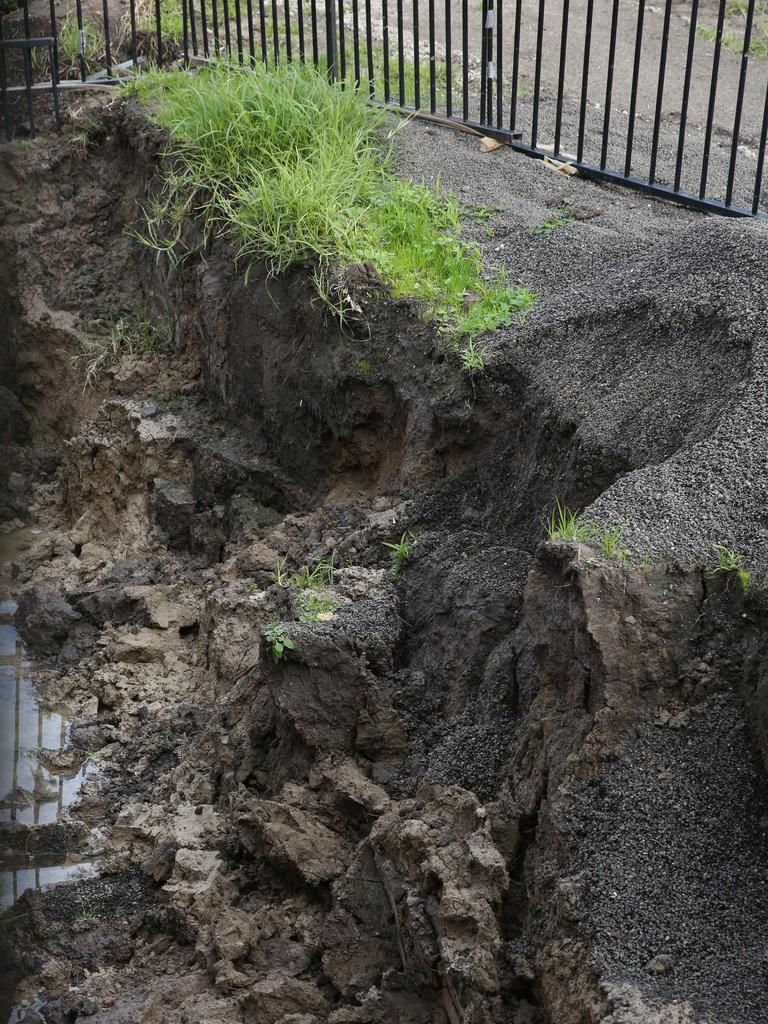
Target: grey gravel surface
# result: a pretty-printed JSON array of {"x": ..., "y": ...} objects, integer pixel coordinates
[
  {"x": 649, "y": 334},
  {"x": 675, "y": 873}
]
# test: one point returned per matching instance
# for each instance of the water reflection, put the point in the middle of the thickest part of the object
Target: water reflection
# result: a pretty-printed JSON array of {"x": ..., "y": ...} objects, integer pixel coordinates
[{"x": 30, "y": 793}]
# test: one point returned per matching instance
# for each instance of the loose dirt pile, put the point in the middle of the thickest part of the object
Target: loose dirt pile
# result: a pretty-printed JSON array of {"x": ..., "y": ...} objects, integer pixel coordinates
[{"x": 512, "y": 782}]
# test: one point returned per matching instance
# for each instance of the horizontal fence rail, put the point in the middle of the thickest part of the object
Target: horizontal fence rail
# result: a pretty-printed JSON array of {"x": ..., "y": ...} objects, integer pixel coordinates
[{"x": 669, "y": 99}]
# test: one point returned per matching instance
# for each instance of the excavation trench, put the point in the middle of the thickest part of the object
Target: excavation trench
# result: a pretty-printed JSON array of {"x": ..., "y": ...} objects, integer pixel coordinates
[{"x": 419, "y": 812}]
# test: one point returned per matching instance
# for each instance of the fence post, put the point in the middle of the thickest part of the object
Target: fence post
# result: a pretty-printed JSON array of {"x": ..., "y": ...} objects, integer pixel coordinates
[{"x": 330, "y": 38}]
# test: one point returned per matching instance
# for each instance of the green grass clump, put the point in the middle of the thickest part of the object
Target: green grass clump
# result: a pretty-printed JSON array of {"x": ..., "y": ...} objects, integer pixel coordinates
[
  {"x": 732, "y": 563},
  {"x": 294, "y": 167},
  {"x": 401, "y": 553},
  {"x": 565, "y": 524},
  {"x": 561, "y": 218}
]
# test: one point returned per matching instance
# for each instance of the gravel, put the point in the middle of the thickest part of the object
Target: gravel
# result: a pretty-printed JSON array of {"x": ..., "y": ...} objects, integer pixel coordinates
[
  {"x": 649, "y": 338},
  {"x": 674, "y": 879}
]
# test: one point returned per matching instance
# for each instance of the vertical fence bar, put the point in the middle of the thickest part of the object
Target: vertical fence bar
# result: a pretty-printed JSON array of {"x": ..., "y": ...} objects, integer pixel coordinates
[
  {"x": 483, "y": 58},
  {"x": 185, "y": 34},
  {"x": 499, "y": 67},
  {"x": 134, "y": 43},
  {"x": 515, "y": 66},
  {"x": 448, "y": 61},
  {"x": 3, "y": 87},
  {"x": 537, "y": 76},
  {"x": 288, "y": 45},
  {"x": 561, "y": 76},
  {"x": 660, "y": 91},
  {"x": 107, "y": 43},
  {"x": 27, "y": 58},
  {"x": 159, "y": 33},
  {"x": 55, "y": 91},
  {"x": 276, "y": 32},
  {"x": 635, "y": 82},
  {"x": 400, "y": 54},
  {"x": 342, "y": 44},
  {"x": 464, "y": 60},
  {"x": 54, "y": 57},
  {"x": 300, "y": 26},
  {"x": 609, "y": 84},
  {"x": 712, "y": 100},
  {"x": 81, "y": 38},
  {"x": 432, "y": 82},
  {"x": 385, "y": 44},
  {"x": 313, "y": 20},
  {"x": 761, "y": 157},
  {"x": 251, "y": 47},
  {"x": 416, "y": 57},
  {"x": 585, "y": 80},
  {"x": 192, "y": 26},
  {"x": 489, "y": 67},
  {"x": 215, "y": 17},
  {"x": 227, "y": 29},
  {"x": 739, "y": 101},
  {"x": 204, "y": 28},
  {"x": 330, "y": 39},
  {"x": 238, "y": 31},
  {"x": 686, "y": 94},
  {"x": 356, "y": 41},
  {"x": 369, "y": 47},
  {"x": 263, "y": 30}
]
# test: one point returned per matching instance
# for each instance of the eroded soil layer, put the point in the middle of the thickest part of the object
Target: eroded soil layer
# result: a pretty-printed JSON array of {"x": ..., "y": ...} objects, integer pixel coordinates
[{"x": 515, "y": 782}]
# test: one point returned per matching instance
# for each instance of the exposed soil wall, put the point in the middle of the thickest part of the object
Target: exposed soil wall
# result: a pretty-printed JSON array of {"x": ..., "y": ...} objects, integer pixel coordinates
[{"x": 508, "y": 785}]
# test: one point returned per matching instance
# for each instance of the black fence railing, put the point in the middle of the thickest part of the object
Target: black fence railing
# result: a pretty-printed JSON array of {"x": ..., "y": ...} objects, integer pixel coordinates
[{"x": 671, "y": 99}]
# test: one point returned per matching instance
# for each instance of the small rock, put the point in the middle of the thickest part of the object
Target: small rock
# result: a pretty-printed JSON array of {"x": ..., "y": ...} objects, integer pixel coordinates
[{"x": 660, "y": 964}]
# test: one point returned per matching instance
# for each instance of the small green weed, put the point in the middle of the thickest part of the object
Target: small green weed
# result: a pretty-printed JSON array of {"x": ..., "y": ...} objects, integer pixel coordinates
[
  {"x": 645, "y": 562},
  {"x": 482, "y": 214},
  {"x": 311, "y": 605},
  {"x": 609, "y": 540},
  {"x": 565, "y": 524},
  {"x": 312, "y": 577},
  {"x": 278, "y": 641},
  {"x": 401, "y": 553},
  {"x": 363, "y": 366},
  {"x": 561, "y": 218},
  {"x": 472, "y": 357},
  {"x": 732, "y": 563}
]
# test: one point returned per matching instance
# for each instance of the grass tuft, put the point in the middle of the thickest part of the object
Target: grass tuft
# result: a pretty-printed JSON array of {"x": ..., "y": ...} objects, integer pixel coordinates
[
  {"x": 107, "y": 341},
  {"x": 564, "y": 524},
  {"x": 294, "y": 167},
  {"x": 401, "y": 553},
  {"x": 732, "y": 563}
]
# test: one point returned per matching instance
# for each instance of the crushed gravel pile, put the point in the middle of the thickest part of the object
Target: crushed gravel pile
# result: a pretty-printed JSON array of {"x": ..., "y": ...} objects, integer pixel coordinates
[
  {"x": 649, "y": 336},
  {"x": 675, "y": 880}
]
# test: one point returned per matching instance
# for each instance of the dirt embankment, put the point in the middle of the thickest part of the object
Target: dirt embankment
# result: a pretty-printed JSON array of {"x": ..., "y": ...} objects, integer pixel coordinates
[{"x": 508, "y": 784}]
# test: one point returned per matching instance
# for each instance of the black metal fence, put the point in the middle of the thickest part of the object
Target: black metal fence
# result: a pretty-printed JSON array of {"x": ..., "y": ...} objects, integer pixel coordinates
[{"x": 671, "y": 100}]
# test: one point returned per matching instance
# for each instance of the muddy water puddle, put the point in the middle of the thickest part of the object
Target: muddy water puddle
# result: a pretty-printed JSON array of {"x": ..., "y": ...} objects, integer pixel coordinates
[{"x": 31, "y": 793}]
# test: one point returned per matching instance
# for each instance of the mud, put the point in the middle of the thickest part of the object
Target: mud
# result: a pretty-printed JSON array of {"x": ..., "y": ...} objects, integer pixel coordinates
[{"x": 518, "y": 782}]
